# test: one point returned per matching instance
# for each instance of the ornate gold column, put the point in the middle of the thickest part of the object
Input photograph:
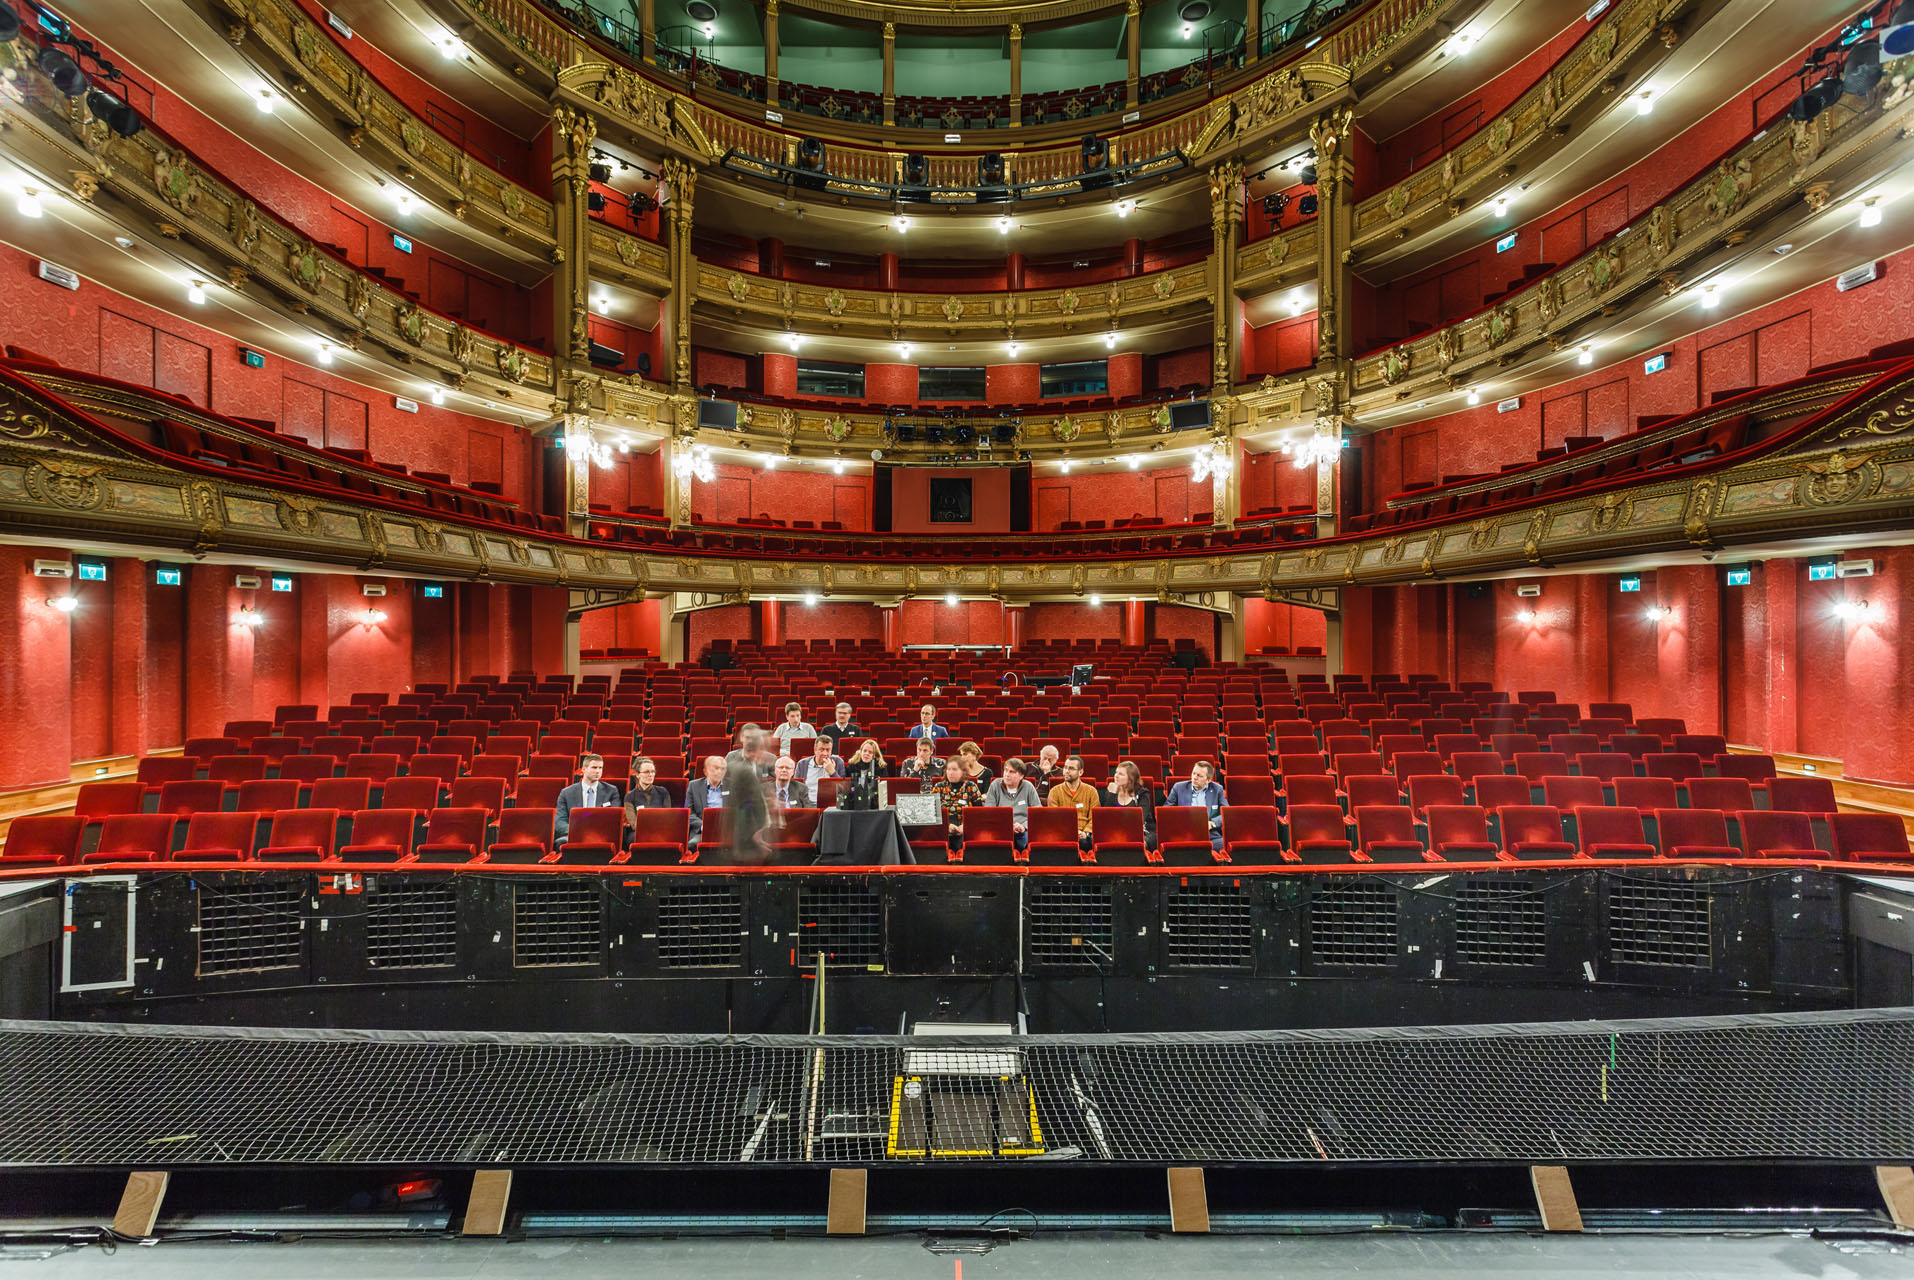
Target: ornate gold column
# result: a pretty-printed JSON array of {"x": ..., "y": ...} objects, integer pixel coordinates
[
  {"x": 890, "y": 73},
  {"x": 1226, "y": 214},
  {"x": 771, "y": 52},
  {"x": 1335, "y": 222},
  {"x": 573, "y": 132},
  {"x": 683, "y": 180},
  {"x": 1133, "y": 15},
  {"x": 1252, "y": 30},
  {"x": 577, "y": 429},
  {"x": 648, "y": 29},
  {"x": 1016, "y": 73},
  {"x": 1328, "y": 445}
]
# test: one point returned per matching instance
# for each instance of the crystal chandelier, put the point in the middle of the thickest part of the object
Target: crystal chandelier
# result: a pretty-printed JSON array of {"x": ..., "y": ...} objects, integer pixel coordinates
[
  {"x": 1213, "y": 462},
  {"x": 694, "y": 463},
  {"x": 1314, "y": 451}
]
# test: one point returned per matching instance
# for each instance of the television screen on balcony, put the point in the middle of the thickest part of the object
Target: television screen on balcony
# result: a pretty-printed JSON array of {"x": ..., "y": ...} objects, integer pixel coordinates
[
  {"x": 829, "y": 378},
  {"x": 950, "y": 500},
  {"x": 1079, "y": 378},
  {"x": 1195, "y": 413},
  {"x": 721, "y": 415},
  {"x": 950, "y": 383}
]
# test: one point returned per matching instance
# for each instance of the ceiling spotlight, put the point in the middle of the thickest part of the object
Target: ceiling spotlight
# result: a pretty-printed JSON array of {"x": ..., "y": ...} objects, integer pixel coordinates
[
  {"x": 1296, "y": 303},
  {"x": 903, "y": 350},
  {"x": 1012, "y": 348},
  {"x": 1461, "y": 42},
  {"x": 266, "y": 101},
  {"x": 63, "y": 71},
  {"x": 325, "y": 353},
  {"x": 1475, "y": 397},
  {"x": 1096, "y": 601},
  {"x": 1066, "y": 464},
  {"x": 1871, "y": 212},
  {"x": 372, "y": 617},
  {"x": 1133, "y": 461},
  {"x": 792, "y": 340},
  {"x": 1645, "y": 102},
  {"x": 601, "y": 304},
  {"x": 1124, "y": 206},
  {"x": 1186, "y": 30},
  {"x": 450, "y": 46},
  {"x": 249, "y": 618},
  {"x": 437, "y": 394},
  {"x": 1585, "y": 354},
  {"x": 837, "y": 465},
  {"x": 405, "y": 201},
  {"x": 1003, "y": 223},
  {"x": 1501, "y": 205},
  {"x": 810, "y": 599},
  {"x": 1110, "y": 340},
  {"x": 951, "y": 598},
  {"x": 709, "y": 30},
  {"x": 770, "y": 462},
  {"x": 65, "y": 604},
  {"x": 196, "y": 292},
  {"x": 900, "y": 224},
  {"x": 29, "y": 205},
  {"x": 1710, "y": 297}
]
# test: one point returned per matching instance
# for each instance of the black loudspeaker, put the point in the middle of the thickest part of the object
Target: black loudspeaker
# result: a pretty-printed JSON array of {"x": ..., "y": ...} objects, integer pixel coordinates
[
  {"x": 1004, "y": 432},
  {"x": 717, "y": 660},
  {"x": 916, "y": 169},
  {"x": 595, "y": 201},
  {"x": 601, "y": 173},
  {"x": 1307, "y": 205},
  {"x": 1189, "y": 661},
  {"x": 811, "y": 155},
  {"x": 9, "y": 23},
  {"x": 990, "y": 169},
  {"x": 906, "y": 433},
  {"x": 933, "y": 435},
  {"x": 644, "y": 362},
  {"x": 966, "y": 434}
]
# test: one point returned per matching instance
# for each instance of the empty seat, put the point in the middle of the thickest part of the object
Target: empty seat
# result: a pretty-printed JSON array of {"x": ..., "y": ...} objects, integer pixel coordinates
[
  {"x": 348, "y": 795},
  {"x": 1252, "y": 834},
  {"x": 422, "y": 793},
  {"x": 524, "y": 835},
  {"x": 183, "y": 799},
  {"x": 268, "y": 795},
  {"x": 219, "y": 837},
  {"x": 380, "y": 835},
  {"x": 133, "y": 837},
  {"x": 1318, "y": 833},
  {"x": 1776, "y": 833},
  {"x": 1730, "y": 795},
  {"x": 301, "y": 835},
  {"x": 1646, "y": 794},
  {"x": 1869, "y": 837},
  {"x": 42, "y": 840},
  {"x": 1372, "y": 789},
  {"x": 1694, "y": 833},
  {"x": 1678, "y": 766},
  {"x": 659, "y": 836},
  {"x": 1570, "y": 794},
  {"x": 990, "y": 836},
  {"x": 1052, "y": 837},
  {"x": 1387, "y": 833},
  {"x": 1436, "y": 789},
  {"x": 1495, "y": 791},
  {"x": 1460, "y": 833},
  {"x": 478, "y": 793},
  {"x": 1533, "y": 831},
  {"x": 1605, "y": 765},
  {"x": 452, "y": 835},
  {"x": 1798, "y": 795},
  {"x": 1757, "y": 769},
  {"x": 1611, "y": 832},
  {"x": 596, "y": 836}
]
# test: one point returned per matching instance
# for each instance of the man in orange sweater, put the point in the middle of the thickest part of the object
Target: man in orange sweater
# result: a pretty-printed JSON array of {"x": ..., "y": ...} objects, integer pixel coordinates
[{"x": 1074, "y": 793}]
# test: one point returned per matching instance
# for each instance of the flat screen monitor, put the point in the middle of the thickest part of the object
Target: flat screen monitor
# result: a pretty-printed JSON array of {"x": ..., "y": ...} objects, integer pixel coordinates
[
  {"x": 1192, "y": 413},
  {"x": 721, "y": 415}
]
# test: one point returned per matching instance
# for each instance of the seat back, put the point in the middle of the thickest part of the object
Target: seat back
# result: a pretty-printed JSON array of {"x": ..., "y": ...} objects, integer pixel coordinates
[
  {"x": 1756, "y": 769},
  {"x": 421, "y": 793},
  {"x": 1777, "y": 833},
  {"x": 387, "y": 831},
  {"x": 1730, "y": 795},
  {"x": 1568, "y": 794},
  {"x": 1677, "y": 766},
  {"x": 308, "y": 769},
  {"x": 1691, "y": 829},
  {"x": 1436, "y": 789},
  {"x": 302, "y": 834},
  {"x": 1537, "y": 765},
  {"x": 348, "y": 795},
  {"x": 220, "y": 834},
  {"x": 44, "y": 838},
  {"x": 1475, "y": 764},
  {"x": 1310, "y": 823},
  {"x": 104, "y": 799},
  {"x": 1868, "y": 836},
  {"x": 459, "y": 832},
  {"x": 1646, "y": 794},
  {"x": 481, "y": 793},
  {"x": 1797, "y": 795},
  {"x": 1608, "y": 825},
  {"x": 668, "y": 829},
  {"x": 1389, "y": 824},
  {"x": 1605, "y": 765},
  {"x": 1495, "y": 791},
  {"x": 236, "y": 769},
  {"x": 133, "y": 837},
  {"x": 1529, "y": 824},
  {"x": 269, "y": 795},
  {"x": 526, "y": 827},
  {"x": 1453, "y": 824},
  {"x": 376, "y": 765},
  {"x": 183, "y": 799},
  {"x": 991, "y": 822}
]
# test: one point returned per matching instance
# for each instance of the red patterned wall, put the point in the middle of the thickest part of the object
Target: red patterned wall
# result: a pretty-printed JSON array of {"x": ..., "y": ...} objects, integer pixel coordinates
[
  {"x": 1118, "y": 495},
  {"x": 1272, "y": 626},
  {"x": 622, "y": 626},
  {"x": 828, "y": 620},
  {"x": 1177, "y": 622},
  {"x": 1073, "y": 622},
  {"x": 794, "y": 490}
]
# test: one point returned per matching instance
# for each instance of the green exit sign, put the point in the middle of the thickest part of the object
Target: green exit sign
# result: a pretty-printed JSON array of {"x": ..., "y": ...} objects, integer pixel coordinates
[{"x": 252, "y": 359}]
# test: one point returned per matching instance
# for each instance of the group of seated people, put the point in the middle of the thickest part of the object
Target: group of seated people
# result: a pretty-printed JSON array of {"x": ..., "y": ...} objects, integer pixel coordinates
[{"x": 756, "y": 781}]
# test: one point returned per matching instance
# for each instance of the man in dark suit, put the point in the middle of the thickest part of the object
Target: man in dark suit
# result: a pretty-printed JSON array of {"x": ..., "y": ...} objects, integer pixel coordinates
[
  {"x": 591, "y": 791},
  {"x": 706, "y": 792}
]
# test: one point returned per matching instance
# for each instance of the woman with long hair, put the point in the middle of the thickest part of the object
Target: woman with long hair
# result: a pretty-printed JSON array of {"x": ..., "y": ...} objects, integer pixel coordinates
[{"x": 1126, "y": 789}]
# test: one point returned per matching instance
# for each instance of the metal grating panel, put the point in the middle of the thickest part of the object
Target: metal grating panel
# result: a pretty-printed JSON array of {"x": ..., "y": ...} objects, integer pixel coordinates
[
  {"x": 1207, "y": 925},
  {"x": 700, "y": 926},
  {"x": 1820, "y": 1086},
  {"x": 245, "y": 927},
  {"x": 412, "y": 925},
  {"x": 844, "y": 919},
  {"x": 557, "y": 922},
  {"x": 1659, "y": 922},
  {"x": 1500, "y": 920},
  {"x": 1353, "y": 922},
  {"x": 1070, "y": 922}
]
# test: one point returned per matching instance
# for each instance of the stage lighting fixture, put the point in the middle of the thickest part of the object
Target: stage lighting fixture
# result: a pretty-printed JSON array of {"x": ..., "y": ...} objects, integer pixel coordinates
[
  {"x": 810, "y": 154},
  {"x": 1308, "y": 175},
  {"x": 119, "y": 117},
  {"x": 1274, "y": 203},
  {"x": 933, "y": 435},
  {"x": 1863, "y": 69},
  {"x": 916, "y": 169},
  {"x": 1306, "y": 206},
  {"x": 601, "y": 173},
  {"x": 63, "y": 71},
  {"x": 1816, "y": 98},
  {"x": 595, "y": 201},
  {"x": 990, "y": 169},
  {"x": 906, "y": 433},
  {"x": 1004, "y": 432}
]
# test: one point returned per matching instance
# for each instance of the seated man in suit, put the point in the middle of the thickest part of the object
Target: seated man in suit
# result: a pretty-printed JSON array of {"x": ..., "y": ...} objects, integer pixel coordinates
[
  {"x": 706, "y": 792},
  {"x": 591, "y": 791},
  {"x": 820, "y": 764}
]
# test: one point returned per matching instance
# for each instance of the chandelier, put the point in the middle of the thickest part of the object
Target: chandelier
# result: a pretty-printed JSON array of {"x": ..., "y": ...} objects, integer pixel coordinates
[
  {"x": 1314, "y": 451},
  {"x": 694, "y": 463},
  {"x": 1214, "y": 461}
]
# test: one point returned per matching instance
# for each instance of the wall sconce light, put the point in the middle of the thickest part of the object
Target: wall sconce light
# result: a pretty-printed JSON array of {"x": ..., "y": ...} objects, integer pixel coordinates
[
  {"x": 1849, "y": 610},
  {"x": 65, "y": 604},
  {"x": 810, "y": 598},
  {"x": 1656, "y": 613},
  {"x": 951, "y": 598},
  {"x": 250, "y": 618},
  {"x": 1525, "y": 616},
  {"x": 372, "y": 617}
]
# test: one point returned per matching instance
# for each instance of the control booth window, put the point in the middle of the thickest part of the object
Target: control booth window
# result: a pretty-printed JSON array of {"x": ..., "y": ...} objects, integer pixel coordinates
[
  {"x": 1079, "y": 378},
  {"x": 950, "y": 500},
  {"x": 828, "y": 378},
  {"x": 949, "y": 383}
]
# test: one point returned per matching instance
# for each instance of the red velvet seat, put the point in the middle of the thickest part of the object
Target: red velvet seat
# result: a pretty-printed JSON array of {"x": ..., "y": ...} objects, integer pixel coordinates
[
  {"x": 539, "y": 793},
  {"x": 1776, "y": 833},
  {"x": 659, "y": 836},
  {"x": 452, "y": 835},
  {"x": 1318, "y": 833},
  {"x": 219, "y": 837},
  {"x": 1531, "y": 831},
  {"x": 42, "y": 840},
  {"x": 1757, "y": 769},
  {"x": 1694, "y": 833},
  {"x": 1116, "y": 834},
  {"x": 183, "y": 799},
  {"x": 1677, "y": 766},
  {"x": 1869, "y": 837},
  {"x": 1646, "y": 794},
  {"x": 1797, "y": 795},
  {"x": 989, "y": 836},
  {"x": 1605, "y": 765},
  {"x": 1183, "y": 836},
  {"x": 421, "y": 793},
  {"x": 268, "y": 795},
  {"x": 524, "y": 835},
  {"x": 1371, "y": 789},
  {"x": 1496, "y": 791},
  {"x": 233, "y": 770},
  {"x": 348, "y": 795},
  {"x": 1605, "y": 831},
  {"x": 1460, "y": 833},
  {"x": 1052, "y": 838},
  {"x": 133, "y": 837},
  {"x": 1436, "y": 789},
  {"x": 1476, "y": 764},
  {"x": 793, "y": 834},
  {"x": 306, "y": 770},
  {"x": 1730, "y": 795},
  {"x": 1252, "y": 835},
  {"x": 380, "y": 835},
  {"x": 1571, "y": 793},
  {"x": 376, "y": 765},
  {"x": 479, "y": 793},
  {"x": 596, "y": 836},
  {"x": 1387, "y": 833},
  {"x": 301, "y": 835}
]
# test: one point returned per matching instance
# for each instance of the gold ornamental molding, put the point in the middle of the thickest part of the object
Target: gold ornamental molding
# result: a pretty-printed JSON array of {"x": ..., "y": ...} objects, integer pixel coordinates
[
  {"x": 1784, "y": 170},
  {"x": 786, "y": 305},
  {"x": 62, "y": 479},
  {"x": 368, "y": 116},
  {"x": 145, "y": 181}
]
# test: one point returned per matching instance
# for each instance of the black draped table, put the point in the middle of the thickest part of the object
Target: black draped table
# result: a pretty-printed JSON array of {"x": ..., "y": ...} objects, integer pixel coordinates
[{"x": 861, "y": 838}]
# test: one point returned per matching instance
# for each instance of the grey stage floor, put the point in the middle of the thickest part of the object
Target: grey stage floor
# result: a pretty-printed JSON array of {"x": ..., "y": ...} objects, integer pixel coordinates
[{"x": 1397, "y": 1256}]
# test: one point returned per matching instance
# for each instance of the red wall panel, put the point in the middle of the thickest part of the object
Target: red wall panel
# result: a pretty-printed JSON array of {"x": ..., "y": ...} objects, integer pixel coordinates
[
  {"x": 1073, "y": 622},
  {"x": 1012, "y": 384},
  {"x": 989, "y": 500},
  {"x": 1170, "y": 622}
]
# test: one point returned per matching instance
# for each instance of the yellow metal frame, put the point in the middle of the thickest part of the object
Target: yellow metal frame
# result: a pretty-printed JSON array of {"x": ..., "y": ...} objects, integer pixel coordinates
[{"x": 897, "y": 1100}]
